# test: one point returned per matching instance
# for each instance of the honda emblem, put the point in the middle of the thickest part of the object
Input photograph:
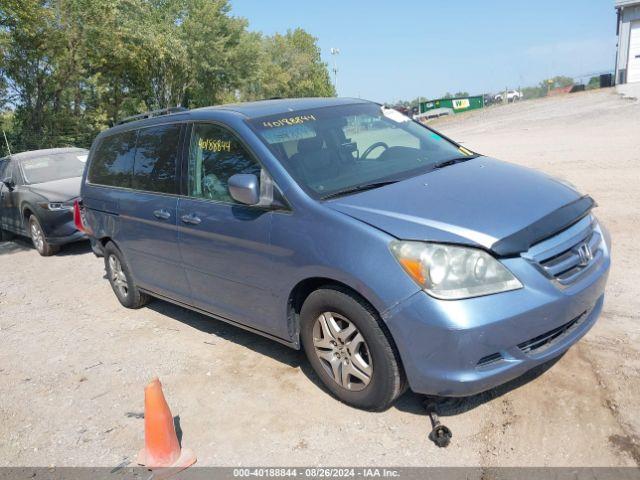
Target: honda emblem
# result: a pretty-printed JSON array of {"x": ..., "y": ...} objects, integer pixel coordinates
[{"x": 585, "y": 254}]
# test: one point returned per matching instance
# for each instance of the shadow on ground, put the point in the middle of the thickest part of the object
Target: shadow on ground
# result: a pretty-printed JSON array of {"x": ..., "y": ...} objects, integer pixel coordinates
[
  {"x": 409, "y": 402},
  {"x": 247, "y": 339},
  {"x": 14, "y": 246},
  {"x": 23, "y": 244}
]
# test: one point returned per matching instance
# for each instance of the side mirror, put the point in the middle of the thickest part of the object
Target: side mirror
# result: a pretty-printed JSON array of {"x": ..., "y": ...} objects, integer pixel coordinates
[
  {"x": 245, "y": 188},
  {"x": 9, "y": 183}
]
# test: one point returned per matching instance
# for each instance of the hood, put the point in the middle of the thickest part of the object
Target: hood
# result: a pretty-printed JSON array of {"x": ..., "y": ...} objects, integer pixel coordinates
[
  {"x": 482, "y": 202},
  {"x": 58, "y": 190}
]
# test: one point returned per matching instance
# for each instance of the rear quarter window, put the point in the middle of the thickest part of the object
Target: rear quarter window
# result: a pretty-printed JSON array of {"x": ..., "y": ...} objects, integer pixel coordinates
[{"x": 112, "y": 162}]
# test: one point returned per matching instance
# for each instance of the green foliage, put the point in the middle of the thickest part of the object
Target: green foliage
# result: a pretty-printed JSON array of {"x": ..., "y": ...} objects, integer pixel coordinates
[
  {"x": 543, "y": 88},
  {"x": 290, "y": 66},
  {"x": 70, "y": 68},
  {"x": 594, "y": 82}
]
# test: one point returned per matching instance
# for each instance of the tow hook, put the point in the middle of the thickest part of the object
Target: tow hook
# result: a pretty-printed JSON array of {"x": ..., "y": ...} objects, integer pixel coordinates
[{"x": 441, "y": 434}]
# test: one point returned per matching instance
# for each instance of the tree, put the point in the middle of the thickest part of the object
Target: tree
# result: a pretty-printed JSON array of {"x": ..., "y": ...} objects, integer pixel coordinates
[
  {"x": 70, "y": 68},
  {"x": 291, "y": 66},
  {"x": 594, "y": 82}
]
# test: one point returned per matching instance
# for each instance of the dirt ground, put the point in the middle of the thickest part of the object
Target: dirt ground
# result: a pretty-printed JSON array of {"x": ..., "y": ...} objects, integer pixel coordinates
[{"x": 73, "y": 363}]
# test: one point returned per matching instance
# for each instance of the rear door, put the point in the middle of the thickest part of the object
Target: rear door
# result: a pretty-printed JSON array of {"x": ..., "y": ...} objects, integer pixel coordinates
[
  {"x": 225, "y": 245},
  {"x": 149, "y": 213},
  {"x": 132, "y": 192}
]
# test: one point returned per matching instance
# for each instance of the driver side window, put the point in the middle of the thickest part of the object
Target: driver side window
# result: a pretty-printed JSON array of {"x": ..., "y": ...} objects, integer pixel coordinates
[{"x": 216, "y": 154}]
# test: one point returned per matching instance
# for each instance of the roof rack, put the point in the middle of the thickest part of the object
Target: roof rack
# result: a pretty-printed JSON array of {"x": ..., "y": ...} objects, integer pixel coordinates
[{"x": 153, "y": 113}]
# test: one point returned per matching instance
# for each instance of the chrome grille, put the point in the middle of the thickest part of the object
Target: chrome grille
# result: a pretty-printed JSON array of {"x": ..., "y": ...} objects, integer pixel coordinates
[{"x": 566, "y": 256}]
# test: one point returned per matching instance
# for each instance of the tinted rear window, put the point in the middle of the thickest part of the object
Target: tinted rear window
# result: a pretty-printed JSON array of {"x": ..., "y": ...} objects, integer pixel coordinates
[
  {"x": 112, "y": 162},
  {"x": 156, "y": 158}
]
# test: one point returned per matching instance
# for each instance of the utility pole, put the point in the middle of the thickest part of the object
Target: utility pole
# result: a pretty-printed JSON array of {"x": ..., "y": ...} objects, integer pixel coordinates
[
  {"x": 7, "y": 142},
  {"x": 334, "y": 53}
]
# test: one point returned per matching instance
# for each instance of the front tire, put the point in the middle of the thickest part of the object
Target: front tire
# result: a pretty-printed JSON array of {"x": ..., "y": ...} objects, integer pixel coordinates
[
  {"x": 121, "y": 280},
  {"x": 39, "y": 239},
  {"x": 350, "y": 349}
]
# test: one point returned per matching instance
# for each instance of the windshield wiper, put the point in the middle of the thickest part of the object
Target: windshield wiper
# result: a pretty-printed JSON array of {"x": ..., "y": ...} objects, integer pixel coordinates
[
  {"x": 453, "y": 161},
  {"x": 359, "y": 188}
]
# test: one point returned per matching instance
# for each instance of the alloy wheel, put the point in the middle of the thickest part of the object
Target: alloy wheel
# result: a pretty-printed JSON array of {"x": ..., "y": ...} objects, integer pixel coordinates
[
  {"x": 118, "y": 278},
  {"x": 342, "y": 351},
  {"x": 37, "y": 237}
]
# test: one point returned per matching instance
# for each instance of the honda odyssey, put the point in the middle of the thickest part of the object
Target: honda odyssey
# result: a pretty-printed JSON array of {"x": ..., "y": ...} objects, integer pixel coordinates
[{"x": 392, "y": 255}]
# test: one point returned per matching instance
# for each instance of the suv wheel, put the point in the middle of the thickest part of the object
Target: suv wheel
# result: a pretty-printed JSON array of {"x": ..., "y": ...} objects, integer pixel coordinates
[
  {"x": 39, "y": 240},
  {"x": 120, "y": 279},
  {"x": 350, "y": 349}
]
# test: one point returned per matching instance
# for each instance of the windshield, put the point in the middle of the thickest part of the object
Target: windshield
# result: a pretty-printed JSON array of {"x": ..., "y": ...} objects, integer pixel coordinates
[
  {"x": 336, "y": 149},
  {"x": 48, "y": 168}
]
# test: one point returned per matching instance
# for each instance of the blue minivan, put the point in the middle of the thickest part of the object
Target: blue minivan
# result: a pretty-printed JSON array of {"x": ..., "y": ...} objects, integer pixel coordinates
[{"x": 394, "y": 256}]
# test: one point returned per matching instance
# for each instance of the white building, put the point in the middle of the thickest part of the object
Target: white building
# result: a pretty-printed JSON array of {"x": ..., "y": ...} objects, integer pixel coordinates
[{"x": 628, "y": 59}]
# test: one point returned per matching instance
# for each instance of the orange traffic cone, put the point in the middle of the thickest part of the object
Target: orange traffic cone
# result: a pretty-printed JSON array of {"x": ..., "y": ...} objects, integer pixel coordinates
[{"x": 161, "y": 449}]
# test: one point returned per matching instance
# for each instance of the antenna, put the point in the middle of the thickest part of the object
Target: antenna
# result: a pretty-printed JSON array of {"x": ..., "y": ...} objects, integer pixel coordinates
[{"x": 6, "y": 141}]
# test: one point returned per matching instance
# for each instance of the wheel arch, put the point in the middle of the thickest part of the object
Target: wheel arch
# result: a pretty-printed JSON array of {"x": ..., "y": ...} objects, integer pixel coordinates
[
  {"x": 301, "y": 291},
  {"x": 306, "y": 287},
  {"x": 27, "y": 211}
]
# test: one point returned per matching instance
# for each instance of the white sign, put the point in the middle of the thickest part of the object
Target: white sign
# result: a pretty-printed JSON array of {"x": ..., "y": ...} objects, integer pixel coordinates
[{"x": 461, "y": 103}]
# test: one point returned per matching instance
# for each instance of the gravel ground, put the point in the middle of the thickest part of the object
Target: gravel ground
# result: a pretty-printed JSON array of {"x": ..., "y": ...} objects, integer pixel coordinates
[{"x": 73, "y": 363}]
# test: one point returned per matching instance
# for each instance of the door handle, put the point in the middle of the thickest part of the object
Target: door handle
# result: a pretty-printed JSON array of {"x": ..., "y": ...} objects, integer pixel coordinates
[
  {"x": 162, "y": 214},
  {"x": 191, "y": 219}
]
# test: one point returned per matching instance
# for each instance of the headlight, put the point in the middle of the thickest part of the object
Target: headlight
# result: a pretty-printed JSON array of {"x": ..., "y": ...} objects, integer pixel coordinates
[
  {"x": 57, "y": 206},
  {"x": 453, "y": 273}
]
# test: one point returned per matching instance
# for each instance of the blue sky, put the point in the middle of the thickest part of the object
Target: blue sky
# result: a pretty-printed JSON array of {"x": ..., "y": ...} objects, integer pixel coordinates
[{"x": 392, "y": 50}]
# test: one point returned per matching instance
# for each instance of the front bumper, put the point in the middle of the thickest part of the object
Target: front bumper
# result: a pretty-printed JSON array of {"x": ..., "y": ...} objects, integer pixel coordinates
[{"x": 464, "y": 347}]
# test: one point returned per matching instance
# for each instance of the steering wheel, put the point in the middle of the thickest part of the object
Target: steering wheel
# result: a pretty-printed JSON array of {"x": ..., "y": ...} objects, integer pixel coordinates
[{"x": 371, "y": 148}]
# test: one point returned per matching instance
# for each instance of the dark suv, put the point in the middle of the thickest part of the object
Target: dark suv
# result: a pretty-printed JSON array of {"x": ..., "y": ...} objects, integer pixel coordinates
[{"x": 37, "y": 193}]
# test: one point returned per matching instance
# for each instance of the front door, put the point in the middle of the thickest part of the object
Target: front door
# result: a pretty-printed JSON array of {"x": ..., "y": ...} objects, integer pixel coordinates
[
  {"x": 149, "y": 213},
  {"x": 10, "y": 217},
  {"x": 225, "y": 245}
]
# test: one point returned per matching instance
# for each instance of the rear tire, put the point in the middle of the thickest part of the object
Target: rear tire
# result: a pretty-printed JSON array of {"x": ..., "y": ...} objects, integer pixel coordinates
[
  {"x": 39, "y": 239},
  {"x": 121, "y": 280},
  {"x": 350, "y": 349}
]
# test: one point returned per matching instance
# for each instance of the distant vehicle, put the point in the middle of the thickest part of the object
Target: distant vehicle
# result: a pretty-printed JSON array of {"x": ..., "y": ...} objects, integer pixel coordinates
[
  {"x": 488, "y": 99},
  {"x": 37, "y": 194},
  {"x": 512, "y": 96},
  {"x": 392, "y": 255}
]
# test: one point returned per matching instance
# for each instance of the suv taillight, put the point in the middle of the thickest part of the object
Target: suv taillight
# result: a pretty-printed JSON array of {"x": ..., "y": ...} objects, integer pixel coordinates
[{"x": 78, "y": 217}]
